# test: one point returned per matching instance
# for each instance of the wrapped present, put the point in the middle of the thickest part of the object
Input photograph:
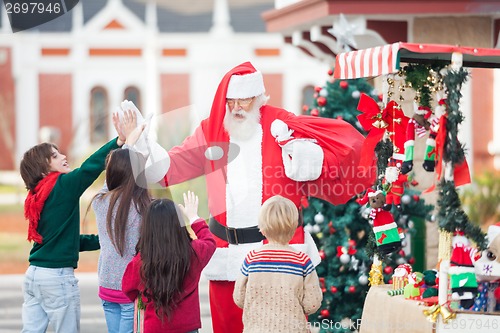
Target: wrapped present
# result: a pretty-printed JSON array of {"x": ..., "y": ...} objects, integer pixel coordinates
[{"x": 400, "y": 276}]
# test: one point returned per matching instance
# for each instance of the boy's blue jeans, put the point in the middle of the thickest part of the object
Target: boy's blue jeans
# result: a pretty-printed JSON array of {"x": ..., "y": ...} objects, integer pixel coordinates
[{"x": 51, "y": 295}]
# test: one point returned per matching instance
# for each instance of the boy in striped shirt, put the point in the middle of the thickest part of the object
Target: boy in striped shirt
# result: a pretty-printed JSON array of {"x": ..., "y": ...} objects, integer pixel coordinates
[{"x": 278, "y": 285}]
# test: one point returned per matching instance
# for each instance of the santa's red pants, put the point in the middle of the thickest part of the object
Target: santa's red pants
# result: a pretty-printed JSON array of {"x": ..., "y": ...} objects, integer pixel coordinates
[{"x": 226, "y": 316}]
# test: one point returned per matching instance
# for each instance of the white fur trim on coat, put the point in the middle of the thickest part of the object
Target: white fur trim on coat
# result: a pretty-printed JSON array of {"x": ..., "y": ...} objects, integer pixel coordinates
[
  {"x": 245, "y": 86},
  {"x": 226, "y": 262}
]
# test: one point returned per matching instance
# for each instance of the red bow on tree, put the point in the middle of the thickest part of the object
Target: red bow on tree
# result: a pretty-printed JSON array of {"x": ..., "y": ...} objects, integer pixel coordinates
[{"x": 376, "y": 121}]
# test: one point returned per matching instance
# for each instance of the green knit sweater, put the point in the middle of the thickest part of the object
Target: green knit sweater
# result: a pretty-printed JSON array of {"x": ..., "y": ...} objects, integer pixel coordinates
[{"x": 59, "y": 223}]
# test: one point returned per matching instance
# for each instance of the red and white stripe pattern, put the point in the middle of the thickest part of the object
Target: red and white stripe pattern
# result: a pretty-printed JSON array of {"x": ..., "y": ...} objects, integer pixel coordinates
[
  {"x": 383, "y": 60},
  {"x": 277, "y": 261},
  {"x": 369, "y": 62}
]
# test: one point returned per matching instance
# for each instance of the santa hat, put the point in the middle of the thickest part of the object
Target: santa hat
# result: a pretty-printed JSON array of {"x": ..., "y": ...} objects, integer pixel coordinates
[
  {"x": 461, "y": 254},
  {"x": 242, "y": 81},
  {"x": 368, "y": 194},
  {"x": 493, "y": 232},
  {"x": 246, "y": 85},
  {"x": 403, "y": 270}
]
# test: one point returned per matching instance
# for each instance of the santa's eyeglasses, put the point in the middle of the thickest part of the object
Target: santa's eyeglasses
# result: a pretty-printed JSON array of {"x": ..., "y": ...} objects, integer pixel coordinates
[{"x": 241, "y": 101}]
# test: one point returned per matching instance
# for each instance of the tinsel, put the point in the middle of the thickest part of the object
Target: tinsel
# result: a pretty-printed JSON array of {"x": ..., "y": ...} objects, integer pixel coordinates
[
  {"x": 422, "y": 78},
  {"x": 375, "y": 277},
  {"x": 383, "y": 151},
  {"x": 450, "y": 215},
  {"x": 453, "y": 150}
]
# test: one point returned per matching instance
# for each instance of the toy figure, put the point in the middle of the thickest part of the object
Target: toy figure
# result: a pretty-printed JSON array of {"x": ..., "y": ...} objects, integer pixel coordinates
[
  {"x": 394, "y": 184},
  {"x": 412, "y": 289},
  {"x": 386, "y": 231},
  {"x": 487, "y": 269},
  {"x": 462, "y": 277}
]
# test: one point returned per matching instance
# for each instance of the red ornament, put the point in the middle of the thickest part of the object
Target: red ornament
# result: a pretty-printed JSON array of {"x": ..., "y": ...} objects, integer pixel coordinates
[
  {"x": 305, "y": 108},
  {"x": 390, "y": 281},
  {"x": 388, "y": 270},
  {"x": 323, "y": 290},
  {"x": 322, "y": 254},
  {"x": 411, "y": 261},
  {"x": 330, "y": 72},
  {"x": 317, "y": 89},
  {"x": 333, "y": 289},
  {"x": 321, "y": 101},
  {"x": 304, "y": 202},
  {"x": 381, "y": 97},
  {"x": 314, "y": 112},
  {"x": 343, "y": 84},
  {"x": 352, "y": 243},
  {"x": 402, "y": 253},
  {"x": 416, "y": 197},
  {"x": 325, "y": 313},
  {"x": 352, "y": 289}
]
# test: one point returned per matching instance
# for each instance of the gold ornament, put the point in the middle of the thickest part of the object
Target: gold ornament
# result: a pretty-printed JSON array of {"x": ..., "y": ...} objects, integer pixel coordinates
[{"x": 375, "y": 276}]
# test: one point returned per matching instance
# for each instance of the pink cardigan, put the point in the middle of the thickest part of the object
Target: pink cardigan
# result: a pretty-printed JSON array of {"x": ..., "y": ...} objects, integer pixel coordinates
[{"x": 186, "y": 316}]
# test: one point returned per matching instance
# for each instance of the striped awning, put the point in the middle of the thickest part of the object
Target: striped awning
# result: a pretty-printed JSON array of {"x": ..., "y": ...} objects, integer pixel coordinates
[{"x": 386, "y": 59}]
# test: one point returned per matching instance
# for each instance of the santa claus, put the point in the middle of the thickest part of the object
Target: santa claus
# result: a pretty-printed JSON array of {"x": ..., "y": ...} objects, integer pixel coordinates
[{"x": 250, "y": 151}]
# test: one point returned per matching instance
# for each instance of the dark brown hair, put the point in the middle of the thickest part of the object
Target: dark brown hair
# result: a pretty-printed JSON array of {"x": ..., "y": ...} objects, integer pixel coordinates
[
  {"x": 35, "y": 164},
  {"x": 165, "y": 248},
  {"x": 123, "y": 191}
]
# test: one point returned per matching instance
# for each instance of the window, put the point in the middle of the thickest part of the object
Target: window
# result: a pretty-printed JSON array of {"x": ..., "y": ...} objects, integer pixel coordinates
[
  {"x": 307, "y": 97},
  {"x": 99, "y": 115},
  {"x": 132, "y": 94}
]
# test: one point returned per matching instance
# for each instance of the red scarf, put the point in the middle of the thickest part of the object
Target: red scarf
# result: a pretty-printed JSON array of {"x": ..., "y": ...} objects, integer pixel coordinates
[{"x": 34, "y": 203}]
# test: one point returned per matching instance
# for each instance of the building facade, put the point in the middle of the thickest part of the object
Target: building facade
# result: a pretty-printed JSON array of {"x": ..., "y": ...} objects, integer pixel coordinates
[{"x": 62, "y": 80}]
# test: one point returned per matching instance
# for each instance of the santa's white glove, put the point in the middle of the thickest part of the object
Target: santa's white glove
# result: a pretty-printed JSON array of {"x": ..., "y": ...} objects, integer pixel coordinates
[
  {"x": 302, "y": 158},
  {"x": 157, "y": 159},
  {"x": 280, "y": 131}
]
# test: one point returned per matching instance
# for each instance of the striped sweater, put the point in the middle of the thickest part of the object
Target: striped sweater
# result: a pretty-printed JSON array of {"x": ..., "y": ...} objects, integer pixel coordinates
[{"x": 277, "y": 287}]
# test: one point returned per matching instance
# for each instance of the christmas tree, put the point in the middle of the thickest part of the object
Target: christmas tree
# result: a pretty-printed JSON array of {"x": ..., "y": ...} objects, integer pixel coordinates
[{"x": 343, "y": 233}]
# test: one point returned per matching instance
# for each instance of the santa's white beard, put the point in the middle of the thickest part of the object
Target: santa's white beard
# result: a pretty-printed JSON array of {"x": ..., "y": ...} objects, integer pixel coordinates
[
  {"x": 241, "y": 124},
  {"x": 391, "y": 174}
]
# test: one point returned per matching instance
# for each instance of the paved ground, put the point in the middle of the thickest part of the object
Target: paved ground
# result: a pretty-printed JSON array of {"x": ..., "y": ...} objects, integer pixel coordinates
[{"x": 92, "y": 320}]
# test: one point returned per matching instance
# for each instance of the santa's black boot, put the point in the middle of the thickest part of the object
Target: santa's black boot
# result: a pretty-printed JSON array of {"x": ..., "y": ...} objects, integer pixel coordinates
[
  {"x": 406, "y": 167},
  {"x": 387, "y": 207},
  {"x": 429, "y": 165}
]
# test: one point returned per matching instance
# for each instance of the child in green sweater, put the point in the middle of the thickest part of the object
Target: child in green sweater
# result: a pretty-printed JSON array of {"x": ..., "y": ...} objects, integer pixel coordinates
[{"x": 51, "y": 292}]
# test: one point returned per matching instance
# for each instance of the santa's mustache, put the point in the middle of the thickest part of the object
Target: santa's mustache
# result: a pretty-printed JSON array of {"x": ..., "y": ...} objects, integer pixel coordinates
[{"x": 240, "y": 113}]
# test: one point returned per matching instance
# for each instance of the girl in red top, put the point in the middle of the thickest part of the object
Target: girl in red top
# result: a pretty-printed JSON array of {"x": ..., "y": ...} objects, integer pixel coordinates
[{"x": 167, "y": 268}]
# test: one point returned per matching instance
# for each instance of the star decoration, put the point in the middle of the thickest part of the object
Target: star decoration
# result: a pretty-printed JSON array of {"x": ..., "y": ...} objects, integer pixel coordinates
[{"x": 344, "y": 32}]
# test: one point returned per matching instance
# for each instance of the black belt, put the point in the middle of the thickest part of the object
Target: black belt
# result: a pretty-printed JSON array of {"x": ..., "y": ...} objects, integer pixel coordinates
[{"x": 235, "y": 235}]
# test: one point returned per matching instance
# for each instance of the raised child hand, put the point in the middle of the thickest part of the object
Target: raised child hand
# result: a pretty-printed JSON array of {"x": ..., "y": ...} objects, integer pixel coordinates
[
  {"x": 190, "y": 208},
  {"x": 118, "y": 127}
]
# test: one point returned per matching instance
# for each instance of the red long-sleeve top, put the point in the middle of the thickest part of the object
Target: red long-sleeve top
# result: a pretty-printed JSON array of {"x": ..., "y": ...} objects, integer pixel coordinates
[{"x": 186, "y": 317}]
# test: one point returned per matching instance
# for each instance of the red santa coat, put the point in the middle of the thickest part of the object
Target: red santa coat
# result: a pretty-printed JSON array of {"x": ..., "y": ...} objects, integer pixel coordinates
[
  {"x": 253, "y": 171},
  {"x": 241, "y": 175}
]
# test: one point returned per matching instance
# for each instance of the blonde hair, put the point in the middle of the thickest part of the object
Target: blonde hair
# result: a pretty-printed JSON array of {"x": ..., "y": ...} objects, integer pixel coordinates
[{"x": 278, "y": 219}]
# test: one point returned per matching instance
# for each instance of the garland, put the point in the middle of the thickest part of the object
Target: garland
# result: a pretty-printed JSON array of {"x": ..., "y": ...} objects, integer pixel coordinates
[{"x": 450, "y": 215}]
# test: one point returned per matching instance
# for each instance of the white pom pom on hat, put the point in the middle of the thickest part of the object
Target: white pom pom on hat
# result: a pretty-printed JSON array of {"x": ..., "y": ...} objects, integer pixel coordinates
[{"x": 245, "y": 86}]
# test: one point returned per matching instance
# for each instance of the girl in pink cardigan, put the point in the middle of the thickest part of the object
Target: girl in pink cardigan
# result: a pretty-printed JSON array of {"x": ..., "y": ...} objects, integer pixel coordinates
[{"x": 167, "y": 268}]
